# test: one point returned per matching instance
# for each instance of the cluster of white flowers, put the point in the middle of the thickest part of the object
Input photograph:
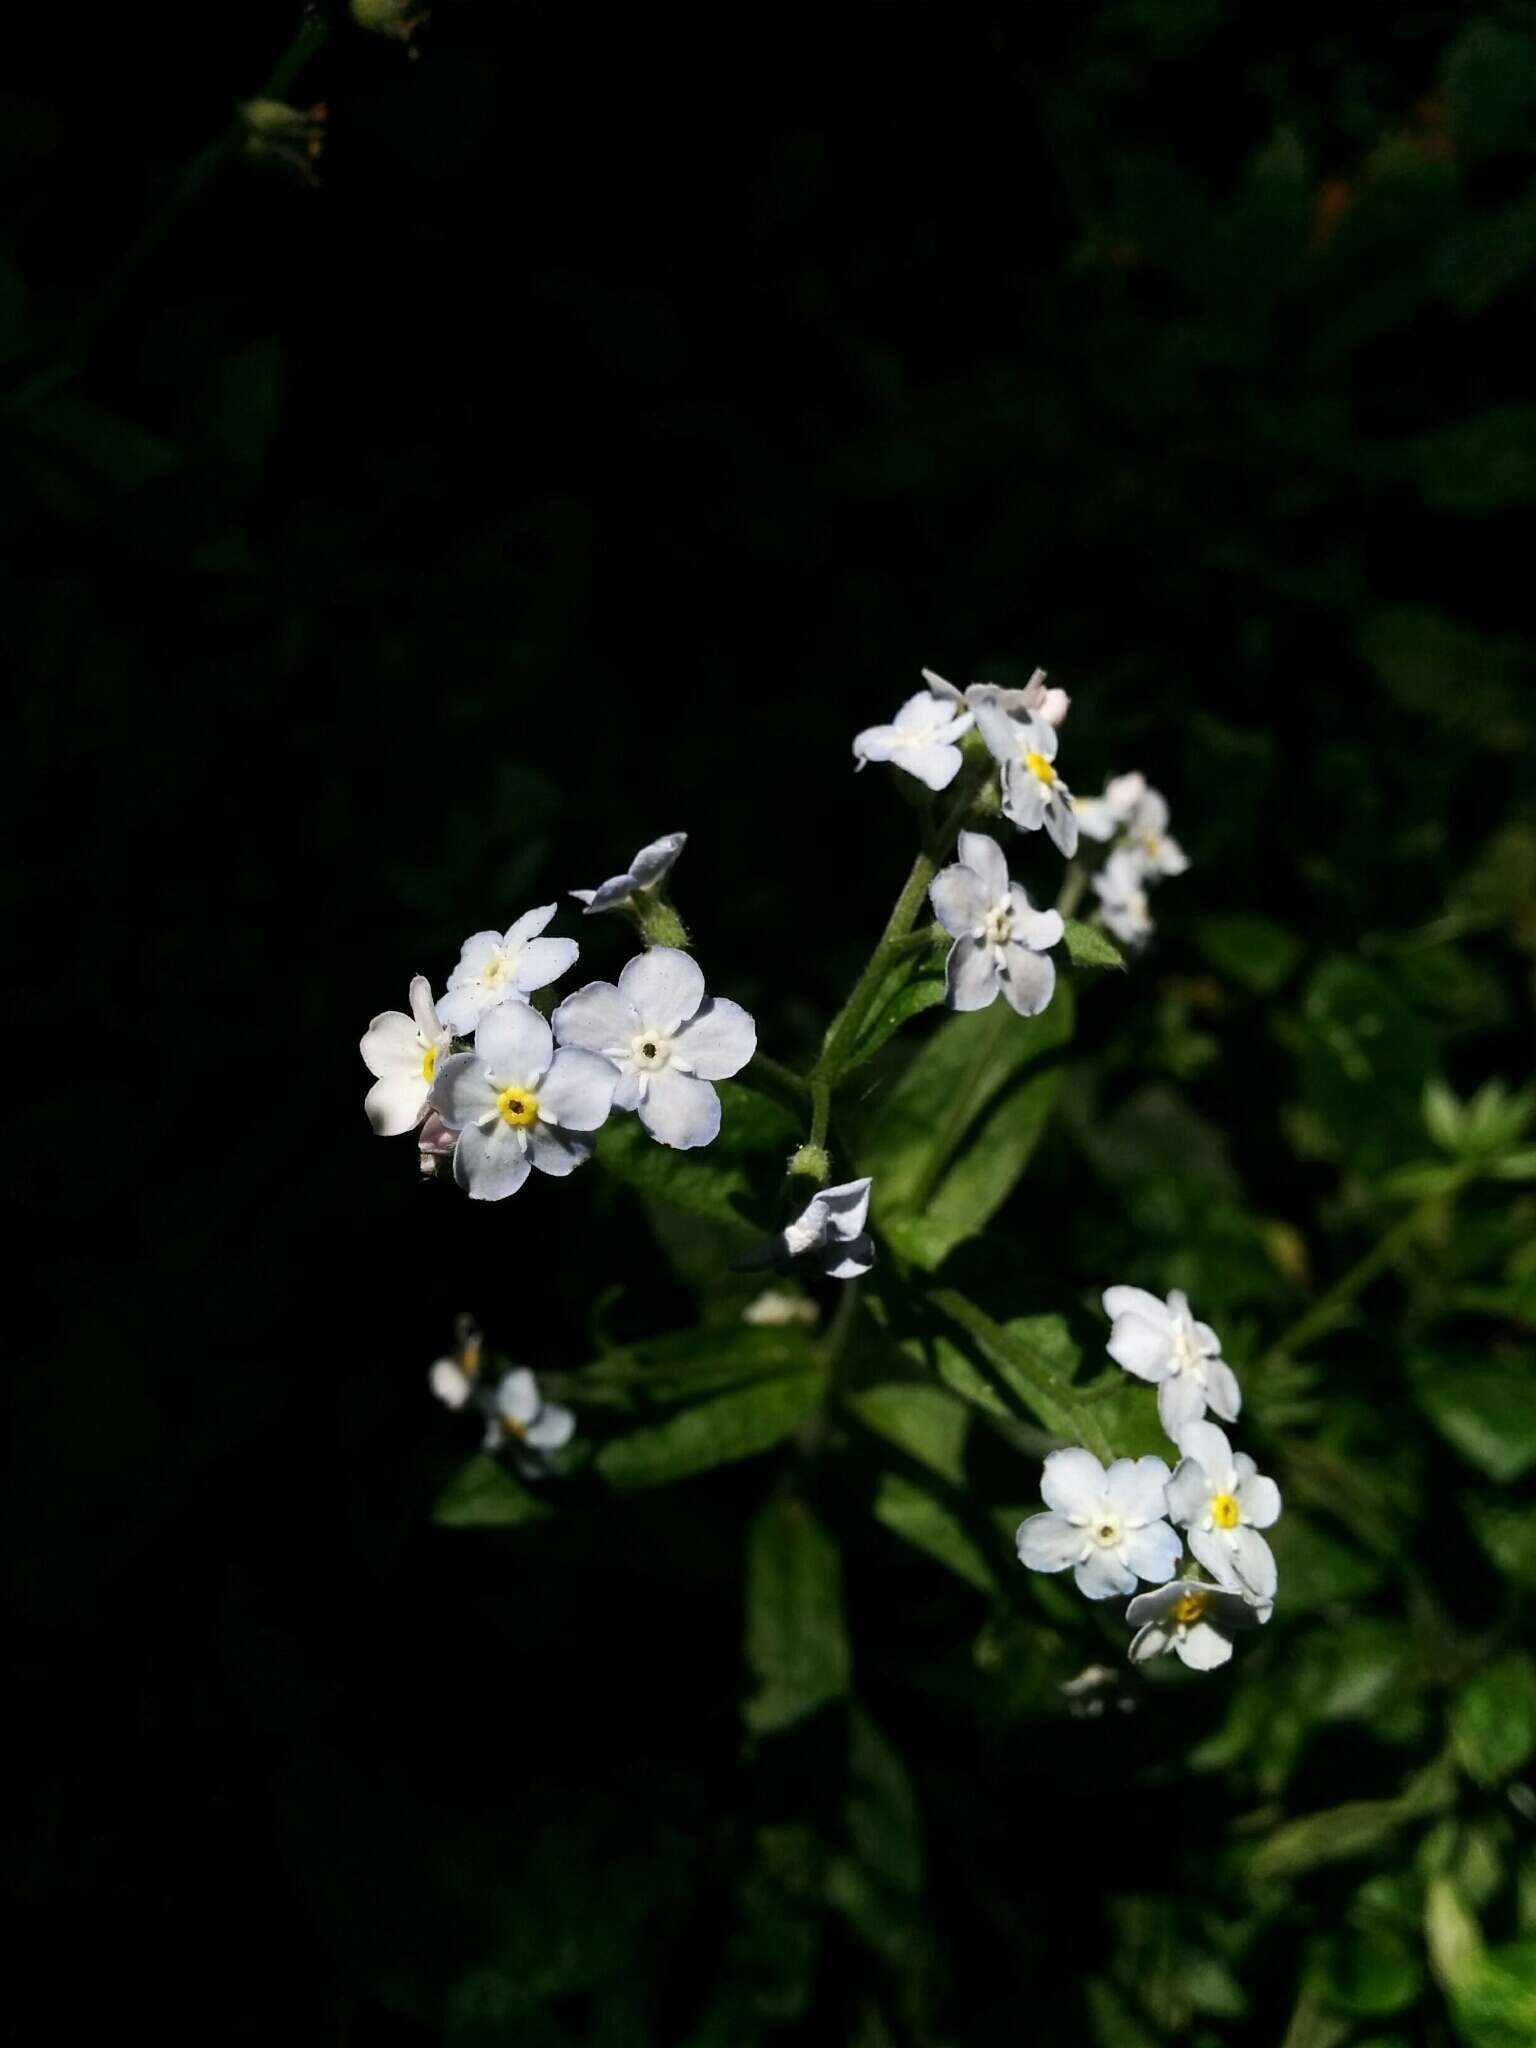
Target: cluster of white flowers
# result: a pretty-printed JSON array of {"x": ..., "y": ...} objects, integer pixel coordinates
[
  {"x": 528, "y": 1093},
  {"x": 1131, "y": 818},
  {"x": 517, "y": 1417},
  {"x": 1112, "y": 1528}
]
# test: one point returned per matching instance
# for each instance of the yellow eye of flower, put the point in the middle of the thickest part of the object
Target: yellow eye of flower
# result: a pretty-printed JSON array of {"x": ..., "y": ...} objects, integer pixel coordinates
[
  {"x": 519, "y": 1106},
  {"x": 1224, "y": 1511},
  {"x": 512, "y": 1428},
  {"x": 429, "y": 1063},
  {"x": 1039, "y": 767},
  {"x": 1189, "y": 1608}
]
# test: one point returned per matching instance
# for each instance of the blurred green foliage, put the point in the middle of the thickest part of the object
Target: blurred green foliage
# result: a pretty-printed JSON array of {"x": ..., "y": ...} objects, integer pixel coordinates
[{"x": 589, "y": 458}]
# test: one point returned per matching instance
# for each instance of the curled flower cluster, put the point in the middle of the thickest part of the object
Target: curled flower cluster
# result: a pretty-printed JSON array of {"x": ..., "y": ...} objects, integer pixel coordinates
[
  {"x": 1112, "y": 1528},
  {"x": 528, "y": 1092}
]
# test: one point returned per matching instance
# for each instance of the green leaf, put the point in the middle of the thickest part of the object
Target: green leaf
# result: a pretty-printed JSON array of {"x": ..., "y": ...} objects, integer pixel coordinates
[
  {"x": 956, "y": 1132},
  {"x": 924, "y": 1421},
  {"x": 713, "y": 1432},
  {"x": 1369, "y": 1970},
  {"x": 912, "y": 986},
  {"x": 1487, "y": 1412},
  {"x": 712, "y": 1182},
  {"x": 796, "y": 1644},
  {"x": 1364, "y": 1065},
  {"x": 1451, "y": 675},
  {"x": 1089, "y": 946},
  {"x": 915, "y": 1516},
  {"x": 1024, "y": 1364},
  {"x": 876, "y": 1884},
  {"x": 1508, "y": 1534},
  {"x": 1493, "y": 1720},
  {"x": 1360, "y": 1827},
  {"x": 485, "y": 1495},
  {"x": 1255, "y": 952}
]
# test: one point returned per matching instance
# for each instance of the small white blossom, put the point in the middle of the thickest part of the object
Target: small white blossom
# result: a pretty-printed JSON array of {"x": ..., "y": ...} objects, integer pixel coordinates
[
  {"x": 648, "y": 870},
  {"x": 830, "y": 1232},
  {"x": 503, "y": 967},
  {"x": 517, "y": 1103},
  {"x": 1160, "y": 1341},
  {"x": 1223, "y": 1500},
  {"x": 1104, "y": 817},
  {"x": 1194, "y": 1620},
  {"x": 453, "y": 1380},
  {"x": 1033, "y": 793},
  {"x": 1000, "y": 938},
  {"x": 1120, "y": 886},
  {"x": 1052, "y": 705},
  {"x": 519, "y": 1419},
  {"x": 1135, "y": 817},
  {"x": 665, "y": 1040},
  {"x": 776, "y": 1309},
  {"x": 1107, "y": 1526},
  {"x": 921, "y": 739},
  {"x": 403, "y": 1051}
]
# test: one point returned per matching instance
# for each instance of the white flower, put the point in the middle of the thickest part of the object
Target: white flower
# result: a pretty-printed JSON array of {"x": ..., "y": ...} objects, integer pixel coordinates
[
  {"x": 521, "y": 1420},
  {"x": 1120, "y": 886},
  {"x": 1000, "y": 938},
  {"x": 775, "y": 1309},
  {"x": 830, "y": 1231},
  {"x": 516, "y": 1103},
  {"x": 666, "y": 1040},
  {"x": 501, "y": 967},
  {"x": 1108, "y": 1526},
  {"x": 1052, "y": 705},
  {"x": 403, "y": 1051},
  {"x": 1223, "y": 1500},
  {"x": 1033, "y": 793},
  {"x": 649, "y": 868},
  {"x": 1161, "y": 1342},
  {"x": 921, "y": 740},
  {"x": 453, "y": 1379},
  {"x": 1135, "y": 816},
  {"x": 1103, "y": 817},
  {"x": 1191, "y": 1618}
]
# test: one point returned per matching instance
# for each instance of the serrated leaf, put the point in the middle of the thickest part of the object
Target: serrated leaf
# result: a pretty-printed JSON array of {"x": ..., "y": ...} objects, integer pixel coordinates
[
  {"x": 956, "y": 1132},
  {"x": 717, "y": 1431},
  {"x": 796, "y": 1643},
  {"x": 485, "y": 1495},
  {"x": 1088, "y": 946}
]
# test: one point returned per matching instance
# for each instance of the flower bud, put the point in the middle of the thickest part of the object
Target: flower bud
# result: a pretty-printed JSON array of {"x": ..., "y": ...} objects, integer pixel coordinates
[
  {"x": 434, "y": 1143},
  {"x": 810, "y": 1163},
  {"x": 284, "y": 139}
]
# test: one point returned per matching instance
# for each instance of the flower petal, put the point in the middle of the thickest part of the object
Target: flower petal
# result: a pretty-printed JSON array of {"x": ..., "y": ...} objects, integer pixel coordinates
[
  {"x": 658, "y": 858},
  {"x": 1037, "y": 929},
  {"x": 557, "y": 1152},
  {"x": 490, "y": 1164},
  {"x": 1152, "y": 1552},
  {"x": 1203, "y": 1440},
  {"x": 1213, "y": 1549},
  {"x": 423, "y": 1009},
  {"x": 936, "y": 765},
  {"x": 970, "y": 975},
  {"x": 980, "y": 852},
  {"x": 1061, "y": 820},
  {"x": 1253, "y": 1563},
  {"x": 551, "y": 1428},
  {"x": 1004, "y": 736},
  {"x": 1028, "y": 980},
  {"x": 1159, "y": 1602},
  {"x": 1259, "y": 1500},
  {"x": 577, "y": 1092},
  {"x": 1150, "y": 1642},
  {"x": 1135, "y": 1301},
  {"x": 1023, "y": 799},
  {"x": 921, "y": 713},
  {"x": 598, "y": 1019},
  {"x": 517, "y": 1395},
  {"x": 515, "y": 1044},
  {"x": 1222, "y": 1392},
  {"x": 680, "y": 1111},
  {"x": 959, "y": 900},
  {"x": 665, "y": 986},
  {"x": 529, "y": 925},
  {"x": 1101, "y": 1575},
  {"x": 1136, "y": 1489},
  {"x": 542, "y": 961},
  {"x": 451, "y": 1384},
  {"x": 461, "y": 1090},
  {"x": 1049, "y": 1543},
  {"x": 1188, "y": 1492},
  {"x": 718, "y": 1039},
  {"x": 1180, "y": 1404},
  {"x": 390, "y": 1045},
  {"x": 846, "y": 1208},
  {"x": 1142, "y": 1348},
  {"x": 847, "y": 1261},
  {"x": 1073, "y": 1483},
  {"x": 1202, "y": 1647},
  {"x": 396, "y": 1103},
  {"x": 875, "y": 743}
]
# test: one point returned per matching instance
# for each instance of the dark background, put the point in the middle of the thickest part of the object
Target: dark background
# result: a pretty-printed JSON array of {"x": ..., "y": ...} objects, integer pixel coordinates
[{"x": 632, "y": 410}]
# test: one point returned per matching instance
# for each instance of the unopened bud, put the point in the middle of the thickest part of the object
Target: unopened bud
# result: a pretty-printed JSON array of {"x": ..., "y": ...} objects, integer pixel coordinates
[
  {"x": 284, "y": 139},
  {"x": 434, "y": 1143},
  {"x": 810, "y": 1163}
]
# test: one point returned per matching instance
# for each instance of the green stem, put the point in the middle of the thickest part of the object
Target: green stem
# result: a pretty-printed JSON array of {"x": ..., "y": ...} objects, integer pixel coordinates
[
  {"x": 1072, "y": 888},
  {"x": 770, "y": 1077},
  {"x": 1324, "y": 1311}
]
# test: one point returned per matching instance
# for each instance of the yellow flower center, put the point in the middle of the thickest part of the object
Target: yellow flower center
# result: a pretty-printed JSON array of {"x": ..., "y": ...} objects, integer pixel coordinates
[
  {"x": 1224, "y": 1511},
  {"x": 512, "y": 1428},
  {"x": 429, "y": 1063},
  {"x": 1188, "y": 1609},
  {"x": 1039, "y": 767},
  {"x": 519, "y": 1106}
]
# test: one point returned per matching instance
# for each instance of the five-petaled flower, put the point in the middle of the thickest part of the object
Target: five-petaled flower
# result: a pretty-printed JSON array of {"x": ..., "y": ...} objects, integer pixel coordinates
[
  {"x": 1033, "y": 793},
  {"x": 1120, "y": 886},
  {"x": 403, "y": 1052},
  {"x": 1108, "y": 1526},
  {"x": 1135, "y": 816},
  {"x": 520, "y": 1420},
  {"x": 647, "y": 871},
  {"x": 921, "y": 739},
  {"x": 1160, "y": 1341},
  {"x": 503, "y": 967},
  {"x": 666, "y": 1041},
  {"x": 1000, "y": 938},
  {"x": 1223, "y": 1500},
  {"x": 830, "y": 1233},
  {"x": 517, "y": 1103},
  {"x": 1191, "y": 1618}
]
